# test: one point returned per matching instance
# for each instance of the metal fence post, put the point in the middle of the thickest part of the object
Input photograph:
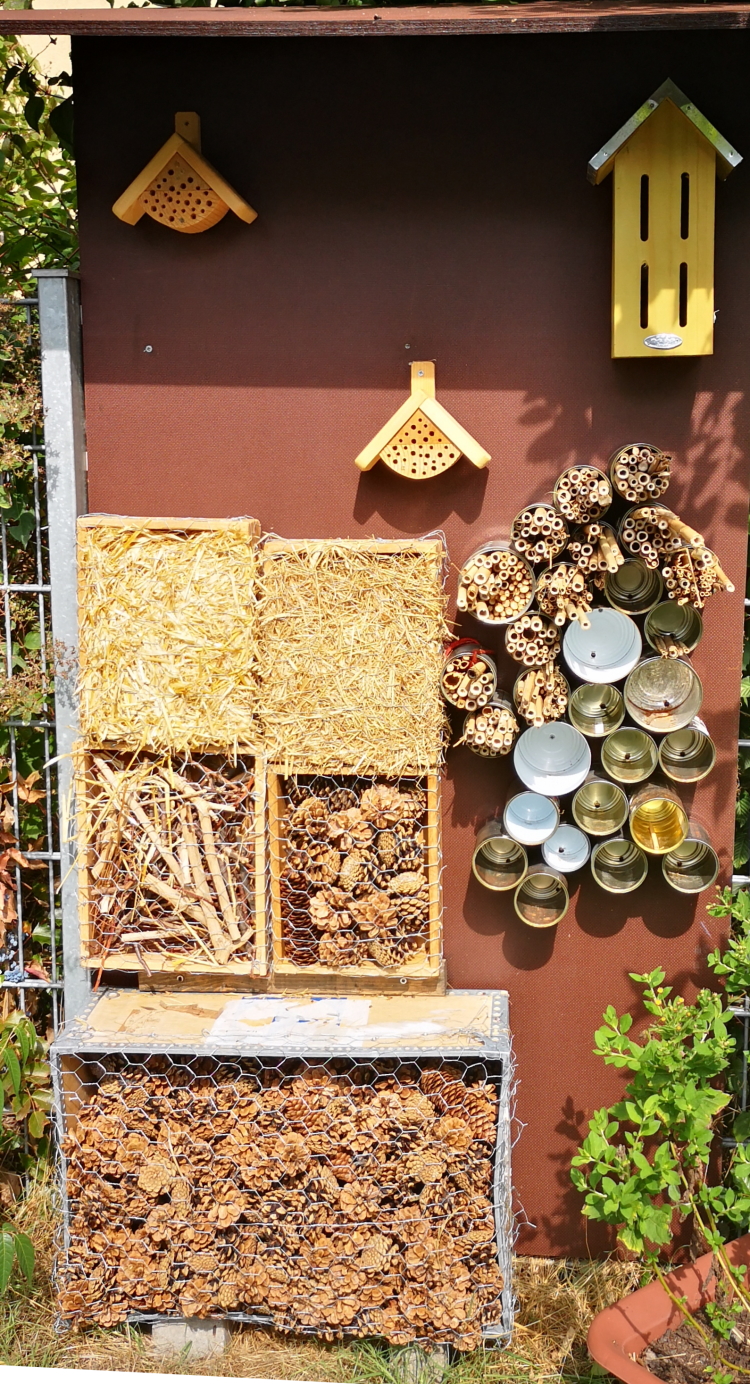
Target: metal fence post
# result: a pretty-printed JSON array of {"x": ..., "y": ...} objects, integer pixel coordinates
[{"x": 65, "y": 454}]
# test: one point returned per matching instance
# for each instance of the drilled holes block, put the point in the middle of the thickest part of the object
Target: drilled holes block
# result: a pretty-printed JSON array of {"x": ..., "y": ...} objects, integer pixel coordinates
[
  {"x": 179, "y": 198},
  {"x": 420, "y": 449}
]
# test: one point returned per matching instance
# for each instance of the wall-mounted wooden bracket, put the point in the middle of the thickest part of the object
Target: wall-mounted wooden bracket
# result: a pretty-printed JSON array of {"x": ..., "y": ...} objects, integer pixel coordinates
[
  {"x": 422, "y": 438},
  {"x": 179, "y": 188}
]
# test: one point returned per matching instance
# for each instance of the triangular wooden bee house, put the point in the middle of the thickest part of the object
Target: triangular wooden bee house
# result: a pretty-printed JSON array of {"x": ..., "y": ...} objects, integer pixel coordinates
[
  {"x": 179, "y": 188},
  {"x": 422, "y": 438}
]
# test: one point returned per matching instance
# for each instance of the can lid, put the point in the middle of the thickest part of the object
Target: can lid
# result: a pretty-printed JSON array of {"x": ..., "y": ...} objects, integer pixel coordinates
[
  {"x": 607, "y": 651},
  {"x": 567, "y": 849},
  {"x": 552, "y": 759}
]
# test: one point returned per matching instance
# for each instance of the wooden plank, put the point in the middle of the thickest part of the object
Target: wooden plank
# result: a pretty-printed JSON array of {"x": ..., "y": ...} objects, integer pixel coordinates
[
  {"x": 423, "y": 378},
  {"x": 363, "y": 545},
  {"x": 543, "y": 17},
  {"x": 433, "y": 409},
  {"x": 428, "y": 966},
  {"x": 249, "y": 527}
]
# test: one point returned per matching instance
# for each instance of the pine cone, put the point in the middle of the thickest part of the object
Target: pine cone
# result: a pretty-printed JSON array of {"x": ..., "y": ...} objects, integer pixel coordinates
[
  {"x": 387, "y": 849},
  {"x": 341, "y": 799},
  {"x": 310, "y": 811},
  {"x": 408, "y": 883},
  {"x": 156, "y": 1177},
  {"x": 381, "y": 805},
  {"x": 424, "y": 1167},
  {"x": 324, "y": 864},
  {"x": 454, "y": 1132},
  {"x": 356, "y": 869}
]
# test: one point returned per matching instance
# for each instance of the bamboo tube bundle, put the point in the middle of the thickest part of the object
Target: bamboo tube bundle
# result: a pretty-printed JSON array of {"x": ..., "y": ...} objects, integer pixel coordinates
[
  {"x": 469, "y": 677},
  {"x": 693, "y": 575},
  {"x": 492, "y": 731},
  {"x": 640, "y": 471},
  {"x": 495, "y": 585},
  {"x": 582, "y": 493},
  {"x": 594, "y": 550},
  {"x": 532, "y": 640},
  {"x": 355, "y": 869},
  {"x": 539, "y": 532},
  {"x": 169, "y": 847},
  {"x": 651, "y": 532},
  {"x": 343, "y": 1197},
  {"x": 563, "y": 594},
  {"x": 670, "y": 646},
  {"x": 541, "y": 695}
]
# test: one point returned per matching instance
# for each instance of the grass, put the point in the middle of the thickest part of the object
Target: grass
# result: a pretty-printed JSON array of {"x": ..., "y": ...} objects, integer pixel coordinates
[{"x": 557, "y": 1300}]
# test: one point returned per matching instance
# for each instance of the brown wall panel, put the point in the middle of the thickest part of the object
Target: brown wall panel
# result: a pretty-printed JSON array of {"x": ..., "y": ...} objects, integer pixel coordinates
[{"x": 425, "y": 198}]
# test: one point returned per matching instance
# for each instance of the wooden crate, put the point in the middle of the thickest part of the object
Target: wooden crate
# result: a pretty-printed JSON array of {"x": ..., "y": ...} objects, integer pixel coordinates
[
  {"x": 351, "y": 654},
  {"x": 168, "y": 634},
  {"x": 148, "y": 962},
  {"x": 425, "y": 965}
]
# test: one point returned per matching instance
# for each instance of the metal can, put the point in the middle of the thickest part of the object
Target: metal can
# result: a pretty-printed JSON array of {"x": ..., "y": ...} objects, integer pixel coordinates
[
  {"x": 567, "y": 849},
  {"x": 688, "y": 755},
  {"x": 618, "y": 865},
  {"x": 693, "y": 866},
  {"x": 658, "y": 820},
  {"x": 663, "y": 694},
  {"x": 629, "y": 755},
  {"x": 530, "y": 818},
  {"x": 670, "y": 626},
  {"x": 600, "y": 807},
  {"x": 552, "y": 759},
  {"x": 541, "y": 898},
  {"x": 498, "y": 862},
  {"x": 634, "y": 588},
  {"x": 607, "y": 651},
  {"x": 596, "y": 709}
]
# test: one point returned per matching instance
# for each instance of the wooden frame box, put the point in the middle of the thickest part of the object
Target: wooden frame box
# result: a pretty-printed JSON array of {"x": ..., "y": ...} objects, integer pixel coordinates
[
  {"x": 185, "y": 864},
  {"x": 419, "y": 962}
]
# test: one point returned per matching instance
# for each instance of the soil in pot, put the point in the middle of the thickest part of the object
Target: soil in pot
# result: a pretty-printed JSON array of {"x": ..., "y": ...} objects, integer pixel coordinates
[{"x": 682, "y": 1357}]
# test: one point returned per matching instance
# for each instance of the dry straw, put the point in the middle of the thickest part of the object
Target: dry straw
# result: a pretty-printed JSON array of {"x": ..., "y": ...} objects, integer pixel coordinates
[
  {"x": 351, "y": 637},
  {"x": 167, "y": 630}
]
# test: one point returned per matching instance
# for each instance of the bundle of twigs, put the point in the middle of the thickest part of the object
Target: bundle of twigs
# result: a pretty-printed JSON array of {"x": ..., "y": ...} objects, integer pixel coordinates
[
  {"x": 694, "y": 574},
  {"x": 652, "y": 531},
  {"x": 539, "y": 532},
  {"x": 563, "y": 595},
  {"x": 583, "y": 493},
  {"x": 594, "y": 549},
  {"x": 469, "y": 677},
  {"x": 490, "y": 732},
  {"x": 168, "y": 849},
  {"x": 640, "y": 471},
  {"x": 541, "y": 695},
  {"x": 532, "y": 640},
  {"x": 495, "y": 585}
]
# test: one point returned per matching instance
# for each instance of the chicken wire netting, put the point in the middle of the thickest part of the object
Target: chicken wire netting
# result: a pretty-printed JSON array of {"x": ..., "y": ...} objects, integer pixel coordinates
[
  {"x": 362, "y": 1197},
  {"x": 357, "y": 868},
  {"x": 171, "y": 853}
]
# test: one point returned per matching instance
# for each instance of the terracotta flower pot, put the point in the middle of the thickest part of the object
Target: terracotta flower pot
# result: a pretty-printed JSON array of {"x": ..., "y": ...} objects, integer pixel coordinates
[{"x": 626, "y": 1329}]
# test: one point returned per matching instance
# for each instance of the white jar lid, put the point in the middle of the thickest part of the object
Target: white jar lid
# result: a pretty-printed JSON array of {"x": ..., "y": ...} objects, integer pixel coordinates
[
  {"x": 552, "y": 759},
  {"x": 606, "y": 652}
]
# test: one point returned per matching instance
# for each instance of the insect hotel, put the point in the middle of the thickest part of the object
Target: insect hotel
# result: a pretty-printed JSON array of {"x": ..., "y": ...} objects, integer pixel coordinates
[{"x": 385, "y": 762}]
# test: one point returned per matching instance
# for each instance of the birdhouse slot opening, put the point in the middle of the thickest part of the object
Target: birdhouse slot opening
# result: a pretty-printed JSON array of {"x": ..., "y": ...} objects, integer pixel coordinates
[
  {"x": 644, "y": 295},
  {"x": 683, "y": 294},
  {"x": 684, "y": 207},
  {"x": 644, "y": 206}
]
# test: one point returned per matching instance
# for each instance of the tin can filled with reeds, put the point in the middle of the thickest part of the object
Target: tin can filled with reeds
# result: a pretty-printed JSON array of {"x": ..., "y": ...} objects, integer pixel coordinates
[
  {"x": 469, "y": 677},
  {"x": 582, "y": 493},
  {"x": 495, "y": 584},
  {"x": 672, "y": 630},
  {"x": 541, "y": 694},
  {"x": 491, "y": 731},
  {"x": 640, "y": 471},
  {"x": 539, "y": 532}
]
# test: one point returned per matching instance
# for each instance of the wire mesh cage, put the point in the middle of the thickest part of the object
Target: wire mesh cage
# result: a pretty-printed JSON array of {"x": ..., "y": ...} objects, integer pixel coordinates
[
  {"x": 355, "y": 874},
  {"x": 171, "y": 861},
  {"x": 364, "y": 1194}
]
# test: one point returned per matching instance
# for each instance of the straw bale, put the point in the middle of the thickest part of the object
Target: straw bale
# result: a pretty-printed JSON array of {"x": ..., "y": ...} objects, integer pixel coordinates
[
  {"x": 167, "y": 633},
  {"x": 351, "y": 637}
]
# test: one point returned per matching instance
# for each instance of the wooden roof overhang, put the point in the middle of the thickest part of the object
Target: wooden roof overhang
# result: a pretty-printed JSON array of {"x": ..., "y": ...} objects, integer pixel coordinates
[{"x": 539, "y": 16}]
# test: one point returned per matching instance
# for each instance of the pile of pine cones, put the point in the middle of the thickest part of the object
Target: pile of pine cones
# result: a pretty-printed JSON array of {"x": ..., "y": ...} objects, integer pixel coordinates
[
  {"x": 340, "y": 1199},
  {"x": 354, "y": 885}
]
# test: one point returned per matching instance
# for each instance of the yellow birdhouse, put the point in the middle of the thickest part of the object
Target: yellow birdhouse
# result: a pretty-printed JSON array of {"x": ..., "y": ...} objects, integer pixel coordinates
[
  {"x": 422, "y": 438},
  {"x": 179, "y": 188},
  {"x": 664, "y": 162}
]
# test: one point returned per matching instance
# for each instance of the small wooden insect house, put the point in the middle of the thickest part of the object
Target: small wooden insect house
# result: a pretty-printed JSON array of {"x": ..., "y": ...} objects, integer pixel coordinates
[
  {"x": 179, "y": 188},
  {"x": 422, "y": 438},
  {"x": 664, "y": 161}
]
